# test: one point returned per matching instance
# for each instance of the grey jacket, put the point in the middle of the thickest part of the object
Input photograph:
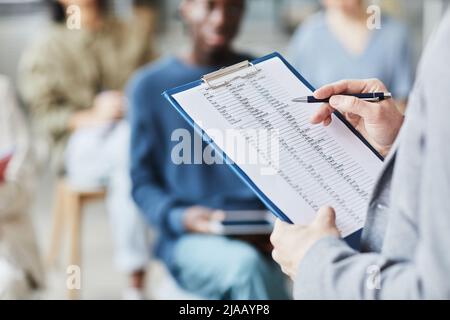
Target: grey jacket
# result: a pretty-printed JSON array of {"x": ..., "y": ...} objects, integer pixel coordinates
[{"x": 406, "y": 242}]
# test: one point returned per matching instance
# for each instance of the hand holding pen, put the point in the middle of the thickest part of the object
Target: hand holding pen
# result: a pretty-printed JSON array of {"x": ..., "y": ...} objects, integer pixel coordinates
[
  {"x": 369, "y": 97},
  {"x": 377, "y": 121}
]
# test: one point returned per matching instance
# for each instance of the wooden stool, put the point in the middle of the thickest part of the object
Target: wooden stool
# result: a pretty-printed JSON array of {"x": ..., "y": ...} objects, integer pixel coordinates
[{"x": 67, "y": 212}]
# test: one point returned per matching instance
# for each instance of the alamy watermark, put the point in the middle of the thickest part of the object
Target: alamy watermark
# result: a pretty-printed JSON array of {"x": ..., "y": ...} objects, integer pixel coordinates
[
  {"x": 73, "y": 281},
  {"x": 374, "y": 19},
  {"x": 373, "y": 281},
  {"x": 73, "y": 21},
  {"x": 243, "y": 147}
]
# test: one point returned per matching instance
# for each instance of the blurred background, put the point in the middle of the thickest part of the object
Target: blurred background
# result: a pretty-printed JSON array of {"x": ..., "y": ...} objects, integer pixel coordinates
[{"x": 268, "y": 27}]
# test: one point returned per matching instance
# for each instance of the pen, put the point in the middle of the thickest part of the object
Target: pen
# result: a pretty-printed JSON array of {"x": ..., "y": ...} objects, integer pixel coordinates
[{"x": 371, "y": 97}]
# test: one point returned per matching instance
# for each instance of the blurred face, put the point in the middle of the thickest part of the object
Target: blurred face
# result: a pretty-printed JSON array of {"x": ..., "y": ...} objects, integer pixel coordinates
[
  {"x": 213, "y": 23},
  {"x": 344, "y": 5}
]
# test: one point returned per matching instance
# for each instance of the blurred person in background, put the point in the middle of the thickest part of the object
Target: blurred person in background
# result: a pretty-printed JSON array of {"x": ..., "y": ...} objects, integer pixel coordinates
[
  {"x": 182, "y": 200},
  {"x": 72, "y": 81},
  {"x": 338, "y": 44},
  {"x": 20, "y": 267}
]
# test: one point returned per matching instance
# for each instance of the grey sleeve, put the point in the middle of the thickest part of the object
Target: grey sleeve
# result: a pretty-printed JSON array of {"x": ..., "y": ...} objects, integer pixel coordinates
[
  {"x": 331, "y": 270},
  {"x": 402, "y": 73}
]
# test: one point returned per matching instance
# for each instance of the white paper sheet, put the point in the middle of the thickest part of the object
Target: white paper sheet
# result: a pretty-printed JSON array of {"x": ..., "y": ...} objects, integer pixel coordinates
[{"x": 309, "y": 167}]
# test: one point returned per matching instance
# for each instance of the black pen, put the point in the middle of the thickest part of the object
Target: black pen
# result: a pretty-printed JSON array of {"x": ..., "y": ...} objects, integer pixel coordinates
[{"x": 370, "y": 97}]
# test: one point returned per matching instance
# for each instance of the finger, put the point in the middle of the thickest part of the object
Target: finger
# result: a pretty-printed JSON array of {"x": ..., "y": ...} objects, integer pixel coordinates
[
  {"x": 343, "y": 86},
  {"x": 279, "y": 226},
  {"x": 354, "y": 105},
  {"x": 213, "y": 225},
  {"x": 202, "y": 215},
  {"x": 277, "y": 231},
  {"x": 323, "y": 113},
  {"x": 326, "y": 217},
  {"x": 205, "y": 227},
  {"x": 286, "y": 272},
  {"x": 275, "y": 255},
  {"x": 350, "y": 86},
  {"x": 218, "y": 215},
  {"x": 352, "y": 118}
]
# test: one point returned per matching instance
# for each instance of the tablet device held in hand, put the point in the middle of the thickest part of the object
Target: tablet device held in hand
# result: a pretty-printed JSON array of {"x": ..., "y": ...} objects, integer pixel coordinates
[{"x": 253, "y": 222}]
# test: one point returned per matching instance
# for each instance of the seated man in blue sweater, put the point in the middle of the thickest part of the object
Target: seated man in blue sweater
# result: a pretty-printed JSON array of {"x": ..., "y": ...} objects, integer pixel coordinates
[{"x": 181, "y": 199}]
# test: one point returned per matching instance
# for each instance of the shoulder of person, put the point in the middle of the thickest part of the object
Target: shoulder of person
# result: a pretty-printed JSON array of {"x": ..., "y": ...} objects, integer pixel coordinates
[
  {"x": 310, "y": 27},
  {"x": 135, "y": 32},
  {"x": 315, "y": 22},
  {"x": 435, "y": 56},
  {"x": 430, "y": 91},
  {"x": 114, "y": 25},
  {"x": 50, "y": 40},
  {"x": 145, "y": 18},
  {"x": 43, "y": 54},
  {"x": 396, "y": 29},
  {"x": 441, "y": 33},
  {"x": 54, "y": 33},
  {"x": 149, "y": 76},
  {"x": 139, "y": 24}
]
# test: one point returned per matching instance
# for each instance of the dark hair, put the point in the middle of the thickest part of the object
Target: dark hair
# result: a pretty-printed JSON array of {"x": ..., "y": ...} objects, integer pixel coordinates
[{"x": 58, "y": 13}]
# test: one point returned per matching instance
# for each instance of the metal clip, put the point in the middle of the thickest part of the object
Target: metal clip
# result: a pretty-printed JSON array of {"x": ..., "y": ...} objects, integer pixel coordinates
[{"x": 227, "y": 71}]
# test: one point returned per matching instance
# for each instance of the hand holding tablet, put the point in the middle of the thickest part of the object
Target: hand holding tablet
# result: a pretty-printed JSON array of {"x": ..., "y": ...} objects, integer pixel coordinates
[{"x": 242, "y": 223}]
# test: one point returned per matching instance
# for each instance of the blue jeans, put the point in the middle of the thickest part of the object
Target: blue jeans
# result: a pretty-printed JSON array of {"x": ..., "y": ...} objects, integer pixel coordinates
[{"x": 216, "y": 267}]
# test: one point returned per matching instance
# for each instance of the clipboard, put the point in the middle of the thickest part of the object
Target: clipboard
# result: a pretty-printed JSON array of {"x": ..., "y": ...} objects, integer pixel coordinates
[{"x": 252, "y": 67}]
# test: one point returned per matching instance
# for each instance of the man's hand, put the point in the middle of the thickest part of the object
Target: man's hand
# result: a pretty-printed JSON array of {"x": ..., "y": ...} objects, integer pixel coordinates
[
  {"x": 199, "y": 219},
  {"x": 109, "y": 107},
  {"x": 379, "y": 123},
  {"x": 292, "y": 242}
]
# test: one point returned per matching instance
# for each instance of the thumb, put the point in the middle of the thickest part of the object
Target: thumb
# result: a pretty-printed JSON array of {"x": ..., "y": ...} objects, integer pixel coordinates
[
  {"x": 353, "y": 105},
  {"x": 326, "y": 217}
]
